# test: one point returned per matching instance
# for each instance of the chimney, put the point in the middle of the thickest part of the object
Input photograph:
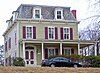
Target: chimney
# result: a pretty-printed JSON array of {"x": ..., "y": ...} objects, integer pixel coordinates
[{"x": 74, "y": 13}]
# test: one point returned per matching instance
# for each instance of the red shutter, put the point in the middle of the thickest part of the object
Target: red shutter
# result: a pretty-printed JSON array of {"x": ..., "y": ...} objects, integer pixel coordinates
[
  {"x": 62, "y": 51},
  {"x": 61, "y": 33},
  {"x": 24, "y": 32},
  {"x": 71, "y": 33},
  {"x": 56, "y": 33},
  {"x": 72, "y": 51},
  {"x": 46, "y": 53},
  {"x": 34, "y": 32},
  {"x": 56, "y": 51},
  {"x": 46, "y": 32},
  {"x": 26, "y": 55}
]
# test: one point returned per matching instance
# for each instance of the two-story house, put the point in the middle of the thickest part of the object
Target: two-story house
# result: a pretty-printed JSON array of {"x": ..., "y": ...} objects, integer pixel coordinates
[{"x": 36, "y": 32}]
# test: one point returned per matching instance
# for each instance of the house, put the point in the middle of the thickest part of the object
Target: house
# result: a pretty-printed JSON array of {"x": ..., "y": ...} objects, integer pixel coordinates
[{"x": 36, "y": 32}]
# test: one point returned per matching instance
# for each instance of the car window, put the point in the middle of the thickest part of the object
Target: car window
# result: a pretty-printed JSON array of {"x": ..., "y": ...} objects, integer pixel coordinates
[
  {"x": 56, "y": 59},
  {"x": 64, "y": 59}
]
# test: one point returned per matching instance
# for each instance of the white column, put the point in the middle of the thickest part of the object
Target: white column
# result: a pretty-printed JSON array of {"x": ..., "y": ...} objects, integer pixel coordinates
[
  {"x": 42, "y": 51},
  {"x": 24, "y": 51},
  {"x": 60, "y": 48},
  {"x": 95, "y": 49},
  {"x": 78, "y": 48}
]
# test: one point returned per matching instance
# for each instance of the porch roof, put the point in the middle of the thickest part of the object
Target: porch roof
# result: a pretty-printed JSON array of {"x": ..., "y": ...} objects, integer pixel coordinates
[{"x": 83, "y": 43}]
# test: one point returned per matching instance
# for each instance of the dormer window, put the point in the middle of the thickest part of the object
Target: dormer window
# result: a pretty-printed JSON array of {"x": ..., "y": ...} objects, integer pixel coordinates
[
  {"x": 15, "y": 15},
  {"x": 58, "y": 13},
  {"x": 37, "y": 13},
  {"x": 9, "y": 22}
]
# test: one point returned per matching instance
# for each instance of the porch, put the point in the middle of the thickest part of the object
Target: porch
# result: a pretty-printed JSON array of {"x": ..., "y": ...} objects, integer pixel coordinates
[{"x": 44, "y": 49}]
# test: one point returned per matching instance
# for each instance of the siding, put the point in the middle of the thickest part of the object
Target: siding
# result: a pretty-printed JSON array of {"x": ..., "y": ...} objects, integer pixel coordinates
[{"x": 40, "y": 29}]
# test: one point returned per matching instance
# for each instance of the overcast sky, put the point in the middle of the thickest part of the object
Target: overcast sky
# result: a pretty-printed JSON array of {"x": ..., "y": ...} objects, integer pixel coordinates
[{"x": 8, "y": 6}]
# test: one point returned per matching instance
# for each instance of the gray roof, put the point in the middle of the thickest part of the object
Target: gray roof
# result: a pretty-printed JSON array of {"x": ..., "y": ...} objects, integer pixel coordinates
[{"x": 47, "y": 12}]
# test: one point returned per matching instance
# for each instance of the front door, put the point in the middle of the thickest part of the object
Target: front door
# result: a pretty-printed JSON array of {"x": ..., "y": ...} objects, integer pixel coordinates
[{"x": 29, "y": 57}]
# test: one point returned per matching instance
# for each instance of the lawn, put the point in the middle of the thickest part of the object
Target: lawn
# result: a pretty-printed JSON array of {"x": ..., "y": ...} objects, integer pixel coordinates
[{"x": 48, "y": 70}]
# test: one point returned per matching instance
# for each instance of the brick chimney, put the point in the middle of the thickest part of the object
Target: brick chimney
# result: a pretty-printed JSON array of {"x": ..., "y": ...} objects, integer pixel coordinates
[{"x": 74, "y": 13}]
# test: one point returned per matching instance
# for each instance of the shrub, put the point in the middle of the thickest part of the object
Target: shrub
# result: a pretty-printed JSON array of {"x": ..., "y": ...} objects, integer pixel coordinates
[
  {"x": 72, "y": 57},
  {"x": 18, "y": 61}
]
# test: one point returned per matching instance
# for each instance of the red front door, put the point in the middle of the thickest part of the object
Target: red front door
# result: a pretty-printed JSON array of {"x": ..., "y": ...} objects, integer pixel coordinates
[{"x": 29, "y": 57}]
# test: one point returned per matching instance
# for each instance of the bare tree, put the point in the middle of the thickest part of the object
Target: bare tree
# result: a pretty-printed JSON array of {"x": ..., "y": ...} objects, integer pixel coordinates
[{"x": 92, "y": 31}]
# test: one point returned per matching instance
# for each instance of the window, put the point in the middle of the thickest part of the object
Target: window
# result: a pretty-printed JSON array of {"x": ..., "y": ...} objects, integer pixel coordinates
[
  {"x": 66, "y": 33},
  {"x": 37, "y": 13},
  {"x": 6, "y": 47},
  {"x": 15, "y": 38},
  {"x": 29, "y": 32},
  {"x": 67, "y": 51},
  {"x": 51, "y": 52},
  {"x": 58, "y": 13},
  {"x": 9, "y": 43},
  {"x": 51, "y": 32}
]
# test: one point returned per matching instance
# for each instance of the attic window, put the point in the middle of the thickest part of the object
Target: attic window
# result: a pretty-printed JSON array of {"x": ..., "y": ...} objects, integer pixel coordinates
[
  {"x": 37, "y": 13},
  {"x": 15, "y": 15},
  {"x": 58, "y": 13}
]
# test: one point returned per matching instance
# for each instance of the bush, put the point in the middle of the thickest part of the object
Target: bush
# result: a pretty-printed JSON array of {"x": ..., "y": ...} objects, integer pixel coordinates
[
  {"x": 18, "y": 61},
  {"x": 72, "y": 57}
]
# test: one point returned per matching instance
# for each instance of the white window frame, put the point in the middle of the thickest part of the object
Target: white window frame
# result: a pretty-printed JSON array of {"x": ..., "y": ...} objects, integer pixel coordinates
[
  {"x": 36, "y": 8},
  {"x": 51, "y": 48},
  {"x": 67, "y": 49},
  {"x": 51, "y": 32},
  {"x": 27, "y": 32},
  {"x": 66, "y": 33},
  {"x": 56, "y": 10}
]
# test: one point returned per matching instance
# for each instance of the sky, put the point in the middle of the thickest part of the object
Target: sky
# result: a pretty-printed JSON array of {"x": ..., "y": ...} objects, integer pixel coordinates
[{"x": 8, "y": 6}]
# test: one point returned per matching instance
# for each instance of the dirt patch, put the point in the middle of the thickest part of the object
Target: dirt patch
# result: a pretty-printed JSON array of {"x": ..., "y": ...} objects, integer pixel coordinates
[{"x": 48, "y": 70}]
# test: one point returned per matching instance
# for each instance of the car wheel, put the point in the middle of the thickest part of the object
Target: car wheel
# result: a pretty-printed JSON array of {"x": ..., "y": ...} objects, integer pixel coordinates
[
  {"x": 52, "y": 65},
  {"x": 75, "y": 66}
]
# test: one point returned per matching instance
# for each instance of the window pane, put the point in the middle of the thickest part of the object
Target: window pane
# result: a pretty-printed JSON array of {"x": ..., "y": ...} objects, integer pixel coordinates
[
  {"x": 67, "y": 30},
  {"x": 66, "y": 33},
  {"x": 27, "y": 62},
  {"x": 32, "y": 62},
  {"x": 67, "y": 51},
  {"x": 51, "y": 52},
  {"x": 67, "y": 36},
  {"x": 31, "y": 55},
  {"x": 29, "y": 32},
  {"x": 51, "y": 33},
  {"x": 37, "y": 13},
  {"x": 37, "y": 16},
  {"x": 58, "y": 14}
]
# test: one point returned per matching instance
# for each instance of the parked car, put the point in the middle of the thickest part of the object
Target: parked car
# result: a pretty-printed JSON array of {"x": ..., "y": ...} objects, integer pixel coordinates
[{"x": 60, "y": 62}]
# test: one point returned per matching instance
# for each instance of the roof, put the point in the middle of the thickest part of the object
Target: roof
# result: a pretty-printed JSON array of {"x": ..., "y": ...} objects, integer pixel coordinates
[{"x": 47, "y": 12}]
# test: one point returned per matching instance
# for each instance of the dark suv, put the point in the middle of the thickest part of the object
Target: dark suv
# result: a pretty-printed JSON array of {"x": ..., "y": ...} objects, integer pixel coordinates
[{"x": 60, "y": 62}]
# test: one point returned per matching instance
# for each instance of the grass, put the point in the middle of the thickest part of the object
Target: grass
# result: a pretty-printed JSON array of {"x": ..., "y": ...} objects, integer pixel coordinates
[{"x": 48, "y": 70}]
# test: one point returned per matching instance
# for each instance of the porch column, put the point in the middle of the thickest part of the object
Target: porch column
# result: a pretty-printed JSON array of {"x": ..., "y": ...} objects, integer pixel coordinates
[
  {"x": 42, "y": 51},
  {"x": 78, "y": 48},
  {"x": 95, "y": 49},
  {"x": 60, "y": 48},
  {"x": 24, "y": 51}
]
